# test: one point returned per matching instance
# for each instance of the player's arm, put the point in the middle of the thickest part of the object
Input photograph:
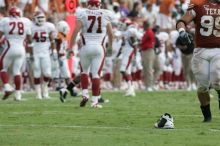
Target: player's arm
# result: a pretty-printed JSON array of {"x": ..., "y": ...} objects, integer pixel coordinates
[
  {"x": 186, "y": 19},
  {"x": 1, "y": 37},
  {"x": 52, "y": 41},
  {"x": 75, "y": 32},
  {"x": 110, "y": 38},
  {"x": 29, "y": 48}
]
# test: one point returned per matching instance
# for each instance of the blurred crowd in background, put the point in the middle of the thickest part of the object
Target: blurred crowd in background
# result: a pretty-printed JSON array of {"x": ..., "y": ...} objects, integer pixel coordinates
[{"x": 160, "y": 67}]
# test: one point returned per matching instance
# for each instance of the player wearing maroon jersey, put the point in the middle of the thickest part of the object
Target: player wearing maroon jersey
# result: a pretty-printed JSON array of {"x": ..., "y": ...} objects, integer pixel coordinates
[{"x": 206, "y": 57}]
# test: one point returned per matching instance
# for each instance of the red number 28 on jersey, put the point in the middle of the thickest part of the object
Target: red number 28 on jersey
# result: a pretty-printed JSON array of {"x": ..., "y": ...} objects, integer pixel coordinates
[{"x": 19, "y": 25}]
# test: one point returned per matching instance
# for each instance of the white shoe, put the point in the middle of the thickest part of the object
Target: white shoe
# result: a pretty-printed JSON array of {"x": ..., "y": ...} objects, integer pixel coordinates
[
  {"x": 39, "y": 97},
  {"x": 45, "y": 91},
  {"x": 149, "y": 89},
  {"x": 189, "y": 88},
  {"x": 17, "y": 95},
  {"x": 130, "y": 92},
  {"x": 96, "y": 105},
  {"x": 165, "y": 122},
  {"x": 193, "y": 86},
  {"x": 38, "y": 91}
]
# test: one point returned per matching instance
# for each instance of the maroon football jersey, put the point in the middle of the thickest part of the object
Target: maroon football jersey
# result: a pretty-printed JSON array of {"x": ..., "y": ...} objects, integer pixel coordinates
[{"x": 207, "y": 24}]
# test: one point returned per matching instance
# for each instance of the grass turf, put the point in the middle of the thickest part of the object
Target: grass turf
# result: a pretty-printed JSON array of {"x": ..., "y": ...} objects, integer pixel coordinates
[{"x": 124, "y": 121}]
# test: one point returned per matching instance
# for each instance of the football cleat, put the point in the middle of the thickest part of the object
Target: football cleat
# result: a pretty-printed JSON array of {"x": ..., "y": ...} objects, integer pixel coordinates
[
  {"x": 102, "y": 100},
  {"x": 8, "y": 91},
  {"x": 17, "y": 96},
  {"x": 84, "y": 101},
  {"x": 63, "y": 94},
  {"x": 7, "y": 94},
  {"x": 96, "y": 105},
  {"x": 165, "y": 122},
  {"x": 130, "y": 92}
]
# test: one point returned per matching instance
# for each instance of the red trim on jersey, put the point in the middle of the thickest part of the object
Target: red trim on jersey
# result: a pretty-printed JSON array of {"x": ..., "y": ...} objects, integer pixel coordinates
[
  {"x": 3, "y": 55},
  {"x": 103, "y": 40},
  {"x": 130, "y": 58},
  {"x": 83, "y": 39}
]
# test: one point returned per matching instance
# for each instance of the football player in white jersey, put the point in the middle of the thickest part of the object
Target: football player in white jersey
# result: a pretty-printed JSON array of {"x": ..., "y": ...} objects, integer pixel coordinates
[
  {"x": 131, "y": 35},
  {"x": 43, "y": 34},
  {"x": 15, "y": 30},
  {"x": 94, "y": 24},
  {"x": 61, "y": 46}
]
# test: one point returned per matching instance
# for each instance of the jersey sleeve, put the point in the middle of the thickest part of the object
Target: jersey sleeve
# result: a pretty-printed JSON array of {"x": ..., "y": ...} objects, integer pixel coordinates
[
  {"x": 109, "y": 17},
  {"x": 2, "y": 24},
  {"x": 80, "y": 15}
]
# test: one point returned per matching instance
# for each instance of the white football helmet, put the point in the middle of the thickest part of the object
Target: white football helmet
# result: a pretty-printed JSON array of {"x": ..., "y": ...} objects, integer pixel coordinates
[
  {"x": 165, "y": 122},
  {"x": 39, "y": 18},
  {"x": 63, "y": 27}
]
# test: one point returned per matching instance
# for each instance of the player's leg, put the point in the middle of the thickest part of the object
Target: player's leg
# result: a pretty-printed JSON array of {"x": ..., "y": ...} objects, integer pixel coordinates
[
  {"x": 37, "y": 76},
  {"x": 16, "y": 69},
  {"x": 5, "y": 61},
  {"x": 125, "y": 70},
  {"x": 96, "y": 68},
  {"x": 200, "y": 68},
  {"x": 85, "y": 62},
  {"x": 215, "y": 75},
  {"x": 46, "y": 70}
]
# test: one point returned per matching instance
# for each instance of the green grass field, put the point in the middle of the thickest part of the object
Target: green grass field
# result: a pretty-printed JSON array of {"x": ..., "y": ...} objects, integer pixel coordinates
[{"x": 124, "y": 121}]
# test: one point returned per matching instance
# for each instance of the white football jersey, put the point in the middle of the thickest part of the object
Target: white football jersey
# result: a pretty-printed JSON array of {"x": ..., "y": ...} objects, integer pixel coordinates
[
  {"x": 132, "y": 31},
  {"x": 94, "y": 24},
  {"x": 163, "y": 38},
  {"x": 41, "y": 40},
  {"x": 15, "y": 30}
]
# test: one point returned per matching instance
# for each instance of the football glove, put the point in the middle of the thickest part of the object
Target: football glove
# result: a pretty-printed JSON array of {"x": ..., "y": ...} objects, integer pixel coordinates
[{"x": 185, "y": 38}]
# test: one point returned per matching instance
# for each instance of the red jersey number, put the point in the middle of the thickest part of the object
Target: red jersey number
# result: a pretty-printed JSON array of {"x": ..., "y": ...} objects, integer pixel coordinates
[
  {"x": 210, "y": 25},
  {"x": 93, "y": 20},
  {"x": 40, "y": 36},
  {"x": 19, "y": 25}
]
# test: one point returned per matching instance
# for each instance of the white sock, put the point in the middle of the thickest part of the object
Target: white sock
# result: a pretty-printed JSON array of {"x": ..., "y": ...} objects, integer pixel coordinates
[
  {"x": 95, "y": 99},
  {"x": 85, "y": 93},
  {"x": 45, "y": 89},
  {"x": 38, "y": 90}
]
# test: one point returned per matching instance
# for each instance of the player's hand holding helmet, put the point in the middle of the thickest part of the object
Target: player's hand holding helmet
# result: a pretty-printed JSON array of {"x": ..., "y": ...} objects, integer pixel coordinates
[{"x": 185, "y": 38}]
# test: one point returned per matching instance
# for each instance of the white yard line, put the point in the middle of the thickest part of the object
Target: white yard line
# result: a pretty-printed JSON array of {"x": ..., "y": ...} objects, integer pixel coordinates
[{"x": 97, "y": 127}]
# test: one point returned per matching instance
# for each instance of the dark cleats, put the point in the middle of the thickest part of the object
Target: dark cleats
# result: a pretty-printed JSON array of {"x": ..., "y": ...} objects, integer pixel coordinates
[
  {"x": 83, "y": 101},
  {"x": 63, "y": 94},
  {"x": 207, "y": 120},
  {"x": 7, "y": 94}
]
